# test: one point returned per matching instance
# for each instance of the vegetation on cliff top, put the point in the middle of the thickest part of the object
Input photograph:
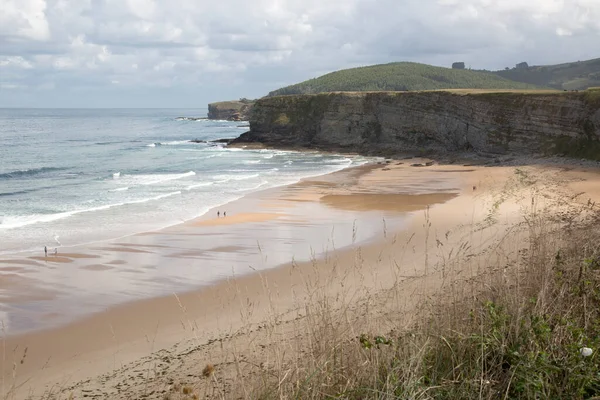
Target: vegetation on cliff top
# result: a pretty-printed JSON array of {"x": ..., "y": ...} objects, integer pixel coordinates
[
  {"x": 232, "y": 104},
  {"x": 570, "y": 76},
  {"x": 235, "y": 110},
  {"x": 399, "y": 77},
  {"x": 414, "y": 76}
]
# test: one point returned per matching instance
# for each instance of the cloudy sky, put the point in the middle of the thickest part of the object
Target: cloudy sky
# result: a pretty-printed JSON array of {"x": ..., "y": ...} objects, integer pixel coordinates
[{"x": 186, "y": 53}]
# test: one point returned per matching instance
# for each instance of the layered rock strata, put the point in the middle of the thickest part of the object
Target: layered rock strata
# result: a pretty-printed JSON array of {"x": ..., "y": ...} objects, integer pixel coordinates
[{"x": 566, "y": 123}]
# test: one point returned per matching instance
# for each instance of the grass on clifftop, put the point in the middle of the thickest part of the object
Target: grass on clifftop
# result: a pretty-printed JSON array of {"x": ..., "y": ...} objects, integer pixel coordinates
[
  {"x": 399, "y": 77},
  {"x": 570, "y": 76}
]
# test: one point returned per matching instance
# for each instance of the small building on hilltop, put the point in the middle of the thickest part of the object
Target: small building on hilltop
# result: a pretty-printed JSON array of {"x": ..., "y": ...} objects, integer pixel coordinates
[
  {"x": 522, "y": 65},
  {"x": 458, "y": 65}
]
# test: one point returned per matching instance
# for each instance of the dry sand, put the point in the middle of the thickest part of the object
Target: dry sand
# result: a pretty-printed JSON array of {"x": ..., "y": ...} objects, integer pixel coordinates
[{"x": 141, "y": 349}]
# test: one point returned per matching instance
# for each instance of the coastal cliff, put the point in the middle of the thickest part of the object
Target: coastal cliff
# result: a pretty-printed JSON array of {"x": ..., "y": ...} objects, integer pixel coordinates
[
  {"x": 237, "y": 110},
  {"x": 387, "y": 123}
]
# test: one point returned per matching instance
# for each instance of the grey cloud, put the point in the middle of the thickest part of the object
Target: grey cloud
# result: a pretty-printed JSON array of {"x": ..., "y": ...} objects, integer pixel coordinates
[{"x": 122, "y": 51}]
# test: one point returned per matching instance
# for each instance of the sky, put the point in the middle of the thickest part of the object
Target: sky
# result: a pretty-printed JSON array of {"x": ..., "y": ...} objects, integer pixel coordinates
[{"x": 187, "y": 53}]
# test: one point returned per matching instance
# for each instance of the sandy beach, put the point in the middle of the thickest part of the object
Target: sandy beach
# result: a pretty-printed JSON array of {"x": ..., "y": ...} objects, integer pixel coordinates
[{"x": 220, "y": 290}]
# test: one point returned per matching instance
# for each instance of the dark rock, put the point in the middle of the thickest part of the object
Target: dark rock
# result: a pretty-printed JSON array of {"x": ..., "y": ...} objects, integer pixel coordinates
[
  {"x": 437, "y": 123},
  {"x": 417, "y": 165},
  {"x": 429, "y": 163},
  {"x": 226, "y": 141}
]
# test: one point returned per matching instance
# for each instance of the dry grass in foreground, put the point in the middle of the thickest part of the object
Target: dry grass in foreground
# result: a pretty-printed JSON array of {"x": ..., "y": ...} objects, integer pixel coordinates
[{"x": 521, "y": 327}]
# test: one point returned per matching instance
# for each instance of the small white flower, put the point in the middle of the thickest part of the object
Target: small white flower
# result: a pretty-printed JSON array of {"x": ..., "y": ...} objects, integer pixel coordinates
[{"x": 586, "y": 351}]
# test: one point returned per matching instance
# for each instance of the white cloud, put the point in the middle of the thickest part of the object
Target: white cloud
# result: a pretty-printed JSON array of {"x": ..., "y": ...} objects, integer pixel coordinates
[
  {"x": 563, "y": 32},
  {"x": 24, "y": 19},
  {"x": 15, "y": 61},
  {"x": 257, "y": 46}
]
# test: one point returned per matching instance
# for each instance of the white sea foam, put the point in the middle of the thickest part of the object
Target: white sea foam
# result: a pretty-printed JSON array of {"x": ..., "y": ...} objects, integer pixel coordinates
[
  {"x": 197, "y": 185},
  {"x": 121, "y": 189},
  {"x": 263, "y": 183},
  {"x": 11, "y": 222},
  {"x": 167, "y": 177},
  {"x": 224, "y": 149},
  {"x": 175, "y": 142},
  {"x": 227, "y": 178},
  {"x": 342, "y": 161},
  {"x": 161, "y": 196},
  {"x": 252, "y": 161},
  {"x": 151, "y": 145},
  {"x": 116, "y": 175},
  {"x": 153, "y": 179}
]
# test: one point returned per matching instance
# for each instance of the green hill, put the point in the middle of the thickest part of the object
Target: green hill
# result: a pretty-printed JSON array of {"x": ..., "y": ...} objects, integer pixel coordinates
[
  {"x": 570, "y": 76},
  {"x": 401, "y": 76}
]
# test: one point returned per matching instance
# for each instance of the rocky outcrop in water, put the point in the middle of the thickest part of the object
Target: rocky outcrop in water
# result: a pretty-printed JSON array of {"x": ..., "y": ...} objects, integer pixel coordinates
[
  {"x": 566, "y": 123},
  {"x": 190, "y": 118},
  {"x": 230, "y": 110}
]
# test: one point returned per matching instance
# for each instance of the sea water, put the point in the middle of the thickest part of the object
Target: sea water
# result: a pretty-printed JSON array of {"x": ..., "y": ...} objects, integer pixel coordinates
[{"x": 75, "y": 176}]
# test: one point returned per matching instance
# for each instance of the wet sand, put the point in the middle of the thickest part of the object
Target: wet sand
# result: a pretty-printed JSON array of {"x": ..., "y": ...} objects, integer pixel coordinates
[
  {"x": 237, "y": 219},
  {"x": 308, "y": 230},
  {"x": 385, "y": 202}
]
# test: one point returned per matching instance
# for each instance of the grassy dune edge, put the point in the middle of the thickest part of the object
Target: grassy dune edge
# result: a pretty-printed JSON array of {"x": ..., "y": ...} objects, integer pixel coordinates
[{"x": 520, "y": 323}]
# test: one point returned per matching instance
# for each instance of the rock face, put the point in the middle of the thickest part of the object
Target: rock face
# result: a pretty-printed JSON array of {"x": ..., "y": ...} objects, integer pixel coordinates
[
  {"x": 230, "y": 110},
  {"x": 566, "y": 123}
]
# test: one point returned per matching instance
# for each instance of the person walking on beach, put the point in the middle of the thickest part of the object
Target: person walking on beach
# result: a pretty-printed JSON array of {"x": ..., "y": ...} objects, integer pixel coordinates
[
  {"x": 224, "y": 214},
  {"x": 218, "y": 214},
  {"x": 45, "y": 251},
  {"x": 55, "y": 252}
]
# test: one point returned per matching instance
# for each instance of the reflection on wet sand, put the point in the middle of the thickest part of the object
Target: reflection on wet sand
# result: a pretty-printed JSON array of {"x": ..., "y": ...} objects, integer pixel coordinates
[
  {"x": 261, "y": 231},
  {"x": 385, "y": 202}
]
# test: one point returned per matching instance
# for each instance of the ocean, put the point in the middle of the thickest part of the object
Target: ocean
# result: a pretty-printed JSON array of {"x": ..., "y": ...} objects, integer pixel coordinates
[{"x": 76, "y": 176}]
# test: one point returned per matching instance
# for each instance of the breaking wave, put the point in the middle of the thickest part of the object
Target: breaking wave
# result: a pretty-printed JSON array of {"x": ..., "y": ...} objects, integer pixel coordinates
[
  {"x": 11, "y": 222},
  {"x": 20, "y": 173}
]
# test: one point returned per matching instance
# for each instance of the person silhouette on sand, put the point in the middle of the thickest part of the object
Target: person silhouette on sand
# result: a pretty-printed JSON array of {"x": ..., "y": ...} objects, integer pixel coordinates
[
  {"x": 45, "y": 251},
  {"x": 224, "y": 214},
  {"x": 55, "y": 252},
  {"x": 218, "y": 214}
]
